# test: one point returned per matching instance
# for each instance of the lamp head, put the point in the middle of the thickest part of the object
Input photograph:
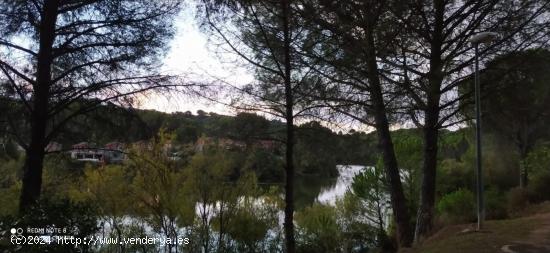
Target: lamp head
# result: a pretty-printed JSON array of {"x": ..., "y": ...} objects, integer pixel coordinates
[{"x": 484, "y": 37}]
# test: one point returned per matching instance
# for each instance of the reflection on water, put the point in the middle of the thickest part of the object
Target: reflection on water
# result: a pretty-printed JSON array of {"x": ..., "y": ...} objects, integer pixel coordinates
[
  {"x": 309, "y": 189},
  {"x": 329, "y": 195},
  {"x": 325, "y": 190}
]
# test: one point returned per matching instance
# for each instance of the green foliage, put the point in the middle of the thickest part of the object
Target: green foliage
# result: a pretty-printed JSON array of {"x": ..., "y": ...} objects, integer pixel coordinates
[
  {"x": 247, "y": 229},
  {"x": 10, "y": 186},
  {"x": 538, "y": 162},
  {"x": 539, "y": 187},
  {"x": 453, "y": 144},
  {"x": 318, "y": 229},
  {"x": 109, "y": 187},
  {"x": 453, "y": 175},
  {"x": 457, "y": 207},
  {"x": 60, "y": 176},
  {"x": 267, "y": 166},
  {"x": 247, "y": 127},
  {"x": 361, "y": 227},
  {"x": 79, "y": 220},
  {"x": 315, "y": 149},
  {"x": 368, "y": 184},
  {"x": 8, "y": 150},
  {"x": 409, "y": 151},
  {"x": 159, "y": 187},
  {"x": 9, "y": 169},
  {"x": 346, "y": 227},
  {"x": 495, "y": 204},
  {"x": 9, "y": 197}
]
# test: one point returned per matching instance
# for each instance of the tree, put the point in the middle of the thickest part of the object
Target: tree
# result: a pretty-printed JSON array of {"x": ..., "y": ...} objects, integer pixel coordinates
[
  {"x": 107, "y": 187},
  {"x": 160, "y": 189},
  {"x": 248, "y": 127},
  {"x": 348, "y": 39},
  {"x": 56, "y": 53},
  {"x": 516, "y": 100},
  {"x": 370, "y": 187},
  {"x": 266, "y": 34},
  {"x": 432, "y": 58},
  {"x": 316, "y": 150}
]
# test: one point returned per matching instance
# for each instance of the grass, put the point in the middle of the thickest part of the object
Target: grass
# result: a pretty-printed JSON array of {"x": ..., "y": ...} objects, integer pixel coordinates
[{"x": 464, "y": 238}]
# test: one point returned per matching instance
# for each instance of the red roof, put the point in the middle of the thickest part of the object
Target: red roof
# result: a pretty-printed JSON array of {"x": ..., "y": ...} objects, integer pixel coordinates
[{"x": 81, "y": 145}]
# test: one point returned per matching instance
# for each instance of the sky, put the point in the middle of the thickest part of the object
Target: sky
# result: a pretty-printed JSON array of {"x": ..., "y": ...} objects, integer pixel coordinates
[{"x": 195, "y": 59}]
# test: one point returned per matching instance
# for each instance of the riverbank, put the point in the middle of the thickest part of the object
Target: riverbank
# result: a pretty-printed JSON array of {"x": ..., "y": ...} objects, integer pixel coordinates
[{"x": 530, "y": 233}]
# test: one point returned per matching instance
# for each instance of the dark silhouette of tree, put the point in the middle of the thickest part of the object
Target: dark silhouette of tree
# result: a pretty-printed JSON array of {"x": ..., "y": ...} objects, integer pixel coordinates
[
  {"x": 64, "y": 58},
  {"x": 347, "y": 41},
  {"x": 264, "y": 34},
  {"x": 434, "y": 56},
  {"x": 516, "y": 101}
]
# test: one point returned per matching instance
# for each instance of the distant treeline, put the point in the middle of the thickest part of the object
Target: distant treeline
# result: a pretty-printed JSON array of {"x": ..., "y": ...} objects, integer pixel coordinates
[{"x": 318, "y": 148}]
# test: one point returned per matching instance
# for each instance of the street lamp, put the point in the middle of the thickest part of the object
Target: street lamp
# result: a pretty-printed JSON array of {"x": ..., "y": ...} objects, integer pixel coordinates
[{"x": 484, "y": 37}]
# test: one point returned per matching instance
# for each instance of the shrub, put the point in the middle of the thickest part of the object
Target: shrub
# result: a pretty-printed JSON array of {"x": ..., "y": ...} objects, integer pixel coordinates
[
  {"x": 318, "y": 229},
  {"x": 247, "y": 229},
  {"x": 495, "y": 204},
  {"x": 79, "y": 220},
  {"x": 539, "y": 187},
  {"x": 518, "y": 199},
  {"x": 457, "y": 207},
  {"x": 538, "y": 162},
  {"x": 453, "y": 175}
]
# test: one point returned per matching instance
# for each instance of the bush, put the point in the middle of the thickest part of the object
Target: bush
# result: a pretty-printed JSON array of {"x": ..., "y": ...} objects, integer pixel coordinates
[
  {"x": 457, "y": 207},
  {"x": 453, "y": 175},
  {"x": 79, "y": 220},
  {"x": 247, "y": 229},
  {"x": 518, "y": 199},
  {"x": 495, "y": 204},
  {"x": 538, "y": 163},
  {"x": 318, "y": 229},
  {"x": 539, "y": 187}
]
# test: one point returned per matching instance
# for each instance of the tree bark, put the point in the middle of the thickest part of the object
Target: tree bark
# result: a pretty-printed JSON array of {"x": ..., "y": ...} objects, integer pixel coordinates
[
  {"x": 427, "y": 193},
  {"x": 398, "y": 200},
  {"x": 32, "y": 168},
  {"x": 523, "y": 170},
  {"x": 289, "y": 104},
  {"x": 432, "y": 110}
]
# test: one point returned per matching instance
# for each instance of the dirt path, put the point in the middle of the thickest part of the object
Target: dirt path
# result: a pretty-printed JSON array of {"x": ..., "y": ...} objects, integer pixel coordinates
[{"x": 538, "y": 240}]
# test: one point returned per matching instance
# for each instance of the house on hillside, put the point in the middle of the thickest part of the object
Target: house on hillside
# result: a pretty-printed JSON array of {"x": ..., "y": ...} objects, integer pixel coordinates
[
  {"x": 85, "y": 152},
  {"x": 224, "y": 143},
  {"x": 232, "y": 144},
  {"x": 112, "y": 152},
  {"x": 53, "y": 147}
]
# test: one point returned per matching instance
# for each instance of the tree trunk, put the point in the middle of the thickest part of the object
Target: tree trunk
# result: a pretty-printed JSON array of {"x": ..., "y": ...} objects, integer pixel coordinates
[
  {"x": 523, "y": 170},
  {"x": 32, "y": 168},
  {"x": 427, "y": 193},
  {"x": 432, "y": 110},
  {"x": 289, "y": 104},
  {"x": 398, "y": 200}
]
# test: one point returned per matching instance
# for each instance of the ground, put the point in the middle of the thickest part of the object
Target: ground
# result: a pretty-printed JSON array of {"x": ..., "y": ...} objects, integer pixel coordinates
[{"x": 528, "y": 234}]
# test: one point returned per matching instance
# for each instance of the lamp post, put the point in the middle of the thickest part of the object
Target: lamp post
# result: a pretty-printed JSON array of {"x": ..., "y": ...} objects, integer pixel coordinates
[{"x": 484, "y": 37}]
